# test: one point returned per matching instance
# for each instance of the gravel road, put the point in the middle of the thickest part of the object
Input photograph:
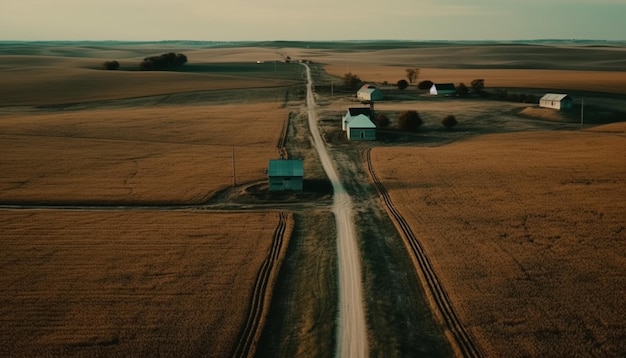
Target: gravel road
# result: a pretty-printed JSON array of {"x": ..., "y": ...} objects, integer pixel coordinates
[{"x": 352, "y": 330}]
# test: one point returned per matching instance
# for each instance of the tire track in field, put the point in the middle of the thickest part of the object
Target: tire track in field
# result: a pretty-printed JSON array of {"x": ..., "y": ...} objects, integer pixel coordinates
[
  {"x": 463, "y": 340},
  {"x": 251, "y": 331}
]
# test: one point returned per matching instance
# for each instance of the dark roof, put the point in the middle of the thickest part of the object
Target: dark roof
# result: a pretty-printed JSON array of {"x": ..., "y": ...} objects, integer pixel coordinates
[
  {"x": 286, "y": 168},
  {"x": 445, "y": 86},
  {"x": 355, "y": 111}
]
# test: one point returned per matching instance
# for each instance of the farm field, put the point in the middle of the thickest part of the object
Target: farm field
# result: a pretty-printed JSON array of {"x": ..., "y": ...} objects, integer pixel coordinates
[
  {"x": 526, "y": 232},
  {"x": 163, "y": 154},
  {"x": 126, "y": 157},
  {"x": 128, "y": 283}
]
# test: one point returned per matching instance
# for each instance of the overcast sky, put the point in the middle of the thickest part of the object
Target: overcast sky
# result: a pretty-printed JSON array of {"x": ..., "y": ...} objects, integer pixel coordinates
[{"x": 241, "y": 20}]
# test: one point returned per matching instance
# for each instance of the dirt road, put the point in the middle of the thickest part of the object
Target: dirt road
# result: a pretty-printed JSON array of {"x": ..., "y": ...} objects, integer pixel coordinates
[{"x": 352, "y": 332}]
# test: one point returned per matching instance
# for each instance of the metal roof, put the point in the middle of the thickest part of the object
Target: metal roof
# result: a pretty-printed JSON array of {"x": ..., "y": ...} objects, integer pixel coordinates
[
  {"x": 558, "y": 97},
  {"x": 361, "y": 121},
  {"x": 286, "y": 168}
]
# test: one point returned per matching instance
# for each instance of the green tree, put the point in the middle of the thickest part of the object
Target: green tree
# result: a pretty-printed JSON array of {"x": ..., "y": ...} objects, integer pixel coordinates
[
  {"x": 462, "y": 89},
  {"x": 412, "y": 74},
  {"x": 402, "y": 84},
  {"x": 110, "y": 65},
  {"x": 382, "y": 120},
  {"x": 449, "y": 121},
  {"x": 409, "y": 121},
  {"x": 478, "y": 86},
  {"x": 351, "y": 80},
  {"x": 163, "y": 62},
  {"x": 425, "y": 85}
]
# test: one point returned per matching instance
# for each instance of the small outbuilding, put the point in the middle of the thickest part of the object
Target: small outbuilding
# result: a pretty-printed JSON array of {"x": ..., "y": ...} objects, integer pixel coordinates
[
  {"x": 361, "y": 127},
  {"x": 556, "y": 101},
  {"x": 370, "y": 93},
  {"x": 443, "y": 89},
  {"x": 353, "y": 112},
  {"x": 285, "y": 174}
]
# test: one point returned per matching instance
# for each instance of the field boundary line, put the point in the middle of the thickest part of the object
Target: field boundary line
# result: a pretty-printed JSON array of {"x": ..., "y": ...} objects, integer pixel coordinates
[
  {"x": 259, "y": 302},
  {"x": 463, "y": 340}
]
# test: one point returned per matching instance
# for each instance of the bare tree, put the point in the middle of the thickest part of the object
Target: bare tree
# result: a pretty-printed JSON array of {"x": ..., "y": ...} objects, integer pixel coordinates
[{"x": 412, "y": 74}]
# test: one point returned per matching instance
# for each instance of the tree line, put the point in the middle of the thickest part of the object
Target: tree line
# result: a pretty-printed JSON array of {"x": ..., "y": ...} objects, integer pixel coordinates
[{"x": 161, "y": 62}]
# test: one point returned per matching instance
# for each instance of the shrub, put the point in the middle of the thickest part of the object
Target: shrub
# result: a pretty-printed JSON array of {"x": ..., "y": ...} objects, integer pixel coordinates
[
  {"x": 449, "y": 121},
  {"x": 462, "y": 89},
  {"x": 424, "y": 85},
  {"x": 382, "y": 120},
  {"x": 110, "y": 65},
  {"x": 402, "y": 84},
  {"x": 409, "y": 121}
]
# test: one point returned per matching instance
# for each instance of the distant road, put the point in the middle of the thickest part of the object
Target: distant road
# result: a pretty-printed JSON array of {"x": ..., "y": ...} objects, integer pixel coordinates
[{"x": 352, "y": 330}]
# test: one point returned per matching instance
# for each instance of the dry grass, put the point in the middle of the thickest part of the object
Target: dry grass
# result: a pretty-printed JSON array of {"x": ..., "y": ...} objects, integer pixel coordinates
[
  {"x": 131, "y": 283},
  {"x": 159, "y": 154},
  {"x": 526, "y": 233}
]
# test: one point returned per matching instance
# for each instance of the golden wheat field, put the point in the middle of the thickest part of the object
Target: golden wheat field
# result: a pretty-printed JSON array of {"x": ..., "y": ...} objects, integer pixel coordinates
[
  {"x": 527, "y": 232},
  {"x": 127, "y": 283},
  {"x": 168, "y": 154},
  {"x": 102, "y": 281}
]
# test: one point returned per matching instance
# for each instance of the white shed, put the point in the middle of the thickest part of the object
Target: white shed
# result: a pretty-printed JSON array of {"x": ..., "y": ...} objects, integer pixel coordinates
[
  {"x": 369, "y": 93},
  {"x": 556, "y": 101},
  {"x": 361, "y": 128},
  {"x": 353, "y": 112},
  {"x": 443, "y": 89}
]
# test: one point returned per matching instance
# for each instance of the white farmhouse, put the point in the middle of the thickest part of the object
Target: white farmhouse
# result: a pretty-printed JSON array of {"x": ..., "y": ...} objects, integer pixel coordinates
[
  {"x": 361, "y": 128},
  {"x": 556, "y": 101},
  {"x": 353, "y": 112},
  {"x": 369, "y": 93}
]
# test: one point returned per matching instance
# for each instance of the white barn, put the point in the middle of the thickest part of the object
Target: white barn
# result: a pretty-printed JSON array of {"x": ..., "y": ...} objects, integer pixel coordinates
[
  {"x": 443, "y": 89},
  {"x": 361, "y": 128},
  {"x": 369, "y": 93},
  {"x": 556, "y": 101},
  {"x": 353, "y": 112}
]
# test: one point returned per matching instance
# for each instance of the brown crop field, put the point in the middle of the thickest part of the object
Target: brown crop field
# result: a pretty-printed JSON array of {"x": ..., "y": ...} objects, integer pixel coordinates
[
  {"x": 167, "y": 154},
  {"x": 127, "y": 283},
  {"x": 526, "y": 232},
  {"x": 111, "y": 243}
]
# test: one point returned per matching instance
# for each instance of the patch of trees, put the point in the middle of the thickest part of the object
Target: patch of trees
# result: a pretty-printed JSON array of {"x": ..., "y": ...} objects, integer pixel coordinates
[
  {"x": 462, "y": 89},
  {"x": 516, "y": 97},
  {"x": 110, "y": 65},
  {"x": 478, "y": 87},
  {"x": 382, "y": 120},
  {"x": 163, "y": 62},
  {"x": 351, "y": 80}
]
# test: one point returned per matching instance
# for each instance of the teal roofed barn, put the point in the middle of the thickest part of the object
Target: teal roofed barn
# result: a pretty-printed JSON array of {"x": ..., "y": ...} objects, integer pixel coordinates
[{"x": 285, "y": 174}]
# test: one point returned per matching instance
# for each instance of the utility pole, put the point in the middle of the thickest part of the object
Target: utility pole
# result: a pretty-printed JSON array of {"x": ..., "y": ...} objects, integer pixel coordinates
[
  {"x": 582, "y": 111},
  {"x": 233, "y": 157}
]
